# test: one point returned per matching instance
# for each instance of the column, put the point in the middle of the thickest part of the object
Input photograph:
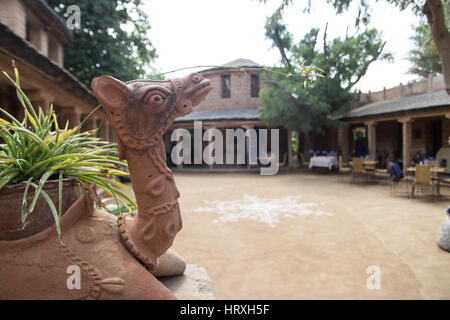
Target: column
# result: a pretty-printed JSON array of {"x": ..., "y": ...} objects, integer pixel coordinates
[
  {"x": 104, "y": 129},
  {"x": 289, "y": 148},
  {"x": 343, "y": 143},
  {"x": 111, "y": 133},
  {"x": 407, "y": 141},
  {"x": 372, "y": 138},
  {"x": 73, "y": 116},
  {"x": 39, "y": 98},
  {"x": 89, "y": 124}
]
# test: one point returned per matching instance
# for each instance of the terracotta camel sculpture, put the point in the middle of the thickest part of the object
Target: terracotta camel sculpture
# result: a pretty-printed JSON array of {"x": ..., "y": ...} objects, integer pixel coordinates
[
  {"x": 114, "y": 256},
  {"x": 142, "y": 111}
]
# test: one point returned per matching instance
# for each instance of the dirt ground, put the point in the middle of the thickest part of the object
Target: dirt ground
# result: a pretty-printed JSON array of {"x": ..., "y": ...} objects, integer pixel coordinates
[{"x": 309, "y": 236}]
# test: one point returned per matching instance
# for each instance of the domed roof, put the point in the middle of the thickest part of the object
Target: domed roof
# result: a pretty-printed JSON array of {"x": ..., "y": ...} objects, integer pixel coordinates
[
  {"x": 238, "y": 63},
  {"x": 242, "y": 63}
]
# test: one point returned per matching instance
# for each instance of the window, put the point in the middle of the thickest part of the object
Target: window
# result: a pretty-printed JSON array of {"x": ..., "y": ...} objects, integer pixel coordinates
[
  {"x": 254, "y": 84},
  {"x": 226, "y": 86}
]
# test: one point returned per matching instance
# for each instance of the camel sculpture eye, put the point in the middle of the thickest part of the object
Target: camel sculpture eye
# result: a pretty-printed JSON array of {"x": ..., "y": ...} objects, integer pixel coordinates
[{"x": 155, "y": 100}]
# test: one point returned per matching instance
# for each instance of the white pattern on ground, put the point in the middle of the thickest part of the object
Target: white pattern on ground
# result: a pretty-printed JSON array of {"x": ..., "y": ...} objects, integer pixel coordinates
[{"x": 268, "y": 211}]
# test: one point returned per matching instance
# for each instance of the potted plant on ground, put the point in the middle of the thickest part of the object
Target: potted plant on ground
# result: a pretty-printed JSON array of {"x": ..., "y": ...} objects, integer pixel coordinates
[{"x": 45, "y": 168}]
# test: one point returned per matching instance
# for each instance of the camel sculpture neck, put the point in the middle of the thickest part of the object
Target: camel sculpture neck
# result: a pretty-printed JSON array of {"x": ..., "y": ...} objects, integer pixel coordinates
[
  {"x": 149, "y": 176},
  {"x": 141, "y": 112}
]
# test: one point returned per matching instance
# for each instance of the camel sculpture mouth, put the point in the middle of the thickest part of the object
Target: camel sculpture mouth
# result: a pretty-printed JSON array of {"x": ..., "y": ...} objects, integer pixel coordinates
[
  {"x": 193, "y": 96},
  {"x": 200, "y": 92}
]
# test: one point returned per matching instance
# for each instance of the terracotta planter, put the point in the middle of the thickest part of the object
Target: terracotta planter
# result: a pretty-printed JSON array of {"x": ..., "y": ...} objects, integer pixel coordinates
[{"x": 11, "y": 226}]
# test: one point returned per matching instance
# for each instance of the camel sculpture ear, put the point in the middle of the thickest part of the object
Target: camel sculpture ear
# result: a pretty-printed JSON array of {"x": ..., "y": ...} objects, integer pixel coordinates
[{"x": 110, "y": 92}]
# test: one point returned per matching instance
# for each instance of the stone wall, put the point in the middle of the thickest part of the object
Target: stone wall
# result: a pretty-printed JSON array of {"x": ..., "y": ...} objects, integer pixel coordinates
[
  {"x": 433, "y": 83},
  {"x": 17, "y": 17},
  {"x": 389, "y": 137},
  {"x": 240, "y": 91},
  {"x": 13, "y": 15}
]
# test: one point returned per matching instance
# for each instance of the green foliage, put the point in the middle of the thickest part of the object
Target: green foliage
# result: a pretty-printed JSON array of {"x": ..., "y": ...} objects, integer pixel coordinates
[
  {"x": 424, "y": 55},
  {"x": 308, "y": 108},
  {"x": 36, "y": 150},
  {"x": 112, "y": 39},
  {"x": 363, "y": 7}
]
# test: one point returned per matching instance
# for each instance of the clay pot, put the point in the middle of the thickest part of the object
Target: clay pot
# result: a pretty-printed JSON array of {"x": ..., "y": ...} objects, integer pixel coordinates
[{"x": 11, "y": 226}]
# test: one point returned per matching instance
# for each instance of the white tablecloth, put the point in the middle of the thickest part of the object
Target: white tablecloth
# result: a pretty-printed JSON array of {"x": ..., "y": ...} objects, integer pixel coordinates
[{"x": 323, "y": 161}]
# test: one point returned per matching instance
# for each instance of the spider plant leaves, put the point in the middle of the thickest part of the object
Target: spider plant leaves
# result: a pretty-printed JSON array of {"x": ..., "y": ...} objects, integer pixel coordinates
[
  {"x": 24, "y": 200},
  {"x": 37, "y": 149},
  {"x": 60, "y": 194},
  {"x": 38, "y": 191}
]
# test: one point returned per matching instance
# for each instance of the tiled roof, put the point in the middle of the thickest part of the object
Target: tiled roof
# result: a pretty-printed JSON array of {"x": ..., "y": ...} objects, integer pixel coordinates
[
  {"x": 242, "y": 63},
  {"x": 238, "y": 63},
  {"x": 220, "y": 115},
  {"x": 431, "y": 100}
]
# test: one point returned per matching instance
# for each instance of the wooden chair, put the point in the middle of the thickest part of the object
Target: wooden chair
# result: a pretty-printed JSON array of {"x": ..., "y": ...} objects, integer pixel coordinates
[
  {"x": 383, "y": 173},
  {"x": 396, "y": 188},
  {"x": 283, "y": 163},
  {"x": 442, "y": 183},
  {"x": 423, "y": 180},
  {"x": 358, "y": 168},
  {"x": 343, "y": 170},
  {"x": 305, "y": 163}
]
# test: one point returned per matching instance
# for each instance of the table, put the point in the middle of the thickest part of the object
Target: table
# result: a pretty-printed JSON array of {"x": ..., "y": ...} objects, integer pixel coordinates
[
  {"x": 433, "y": 170},
  {"x": 329, "y": 162}
]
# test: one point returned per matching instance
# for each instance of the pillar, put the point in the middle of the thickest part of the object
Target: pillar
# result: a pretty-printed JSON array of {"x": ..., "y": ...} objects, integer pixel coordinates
[
  {"x": 372, "y": 138},
  {"x": 73, "y": 116},
  {"x": 112, "y": 134},
  {"x": 39, "y": 98},
  {"x": 104, "y": 129},
  {"x": 406, "y": 141},
  {"x": 289, "y": 148},
  {"x": 343, "y": 143},
  {"x": 89, "y": 124},
  {"x": 39, "y": 39}
]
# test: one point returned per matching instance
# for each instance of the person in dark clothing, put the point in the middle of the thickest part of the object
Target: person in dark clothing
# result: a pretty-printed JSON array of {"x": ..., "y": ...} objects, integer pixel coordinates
[
  {"x": 360, "y": 145},
  {"x": 395, "y": 172}
]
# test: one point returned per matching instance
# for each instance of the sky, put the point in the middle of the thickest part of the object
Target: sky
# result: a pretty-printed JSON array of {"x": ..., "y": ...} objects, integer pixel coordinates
[{"x": 189, "y": 33}]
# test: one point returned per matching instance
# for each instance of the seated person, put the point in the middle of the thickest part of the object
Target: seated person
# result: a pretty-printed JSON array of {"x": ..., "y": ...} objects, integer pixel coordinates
[{"x": 395, "y": 172}]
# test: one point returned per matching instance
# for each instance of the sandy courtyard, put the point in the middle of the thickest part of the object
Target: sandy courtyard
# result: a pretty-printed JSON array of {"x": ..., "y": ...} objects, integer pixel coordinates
[{"x": 300, "y": 236}]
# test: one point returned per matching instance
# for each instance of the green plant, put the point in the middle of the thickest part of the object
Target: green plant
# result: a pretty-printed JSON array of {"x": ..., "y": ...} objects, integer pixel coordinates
[{"x": 36, "y": 150}]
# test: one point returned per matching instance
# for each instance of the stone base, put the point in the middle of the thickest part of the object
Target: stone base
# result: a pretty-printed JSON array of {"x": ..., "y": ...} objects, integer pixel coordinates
[
  {"x": 443, "y": 235},
  {"x": 194, "y": 284}
]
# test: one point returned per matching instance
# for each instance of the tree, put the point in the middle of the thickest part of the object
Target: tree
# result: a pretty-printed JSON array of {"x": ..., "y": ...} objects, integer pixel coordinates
[
  {"x": 424, "y": 56},
  {"x": 112, "y": 39},
  {"x": 433, "y": 10},
  {"x": 307, "y": 109}
]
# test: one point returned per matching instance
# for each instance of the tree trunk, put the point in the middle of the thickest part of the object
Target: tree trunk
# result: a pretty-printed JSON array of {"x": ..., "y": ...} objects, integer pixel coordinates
[
  {"x": 441, "y": 36},
  {"x": 306, "y": 145}
]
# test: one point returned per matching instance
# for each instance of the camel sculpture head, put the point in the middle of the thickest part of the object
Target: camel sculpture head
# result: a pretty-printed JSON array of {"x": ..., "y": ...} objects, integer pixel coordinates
[{"x": 143, "y": 110}]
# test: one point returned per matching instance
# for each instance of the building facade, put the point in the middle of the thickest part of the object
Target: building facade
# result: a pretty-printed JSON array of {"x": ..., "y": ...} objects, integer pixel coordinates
[
  {"x": 34, "y": 36},
  {"x": 400, "y": 122},
  {"x": 233, "y": 103}
]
